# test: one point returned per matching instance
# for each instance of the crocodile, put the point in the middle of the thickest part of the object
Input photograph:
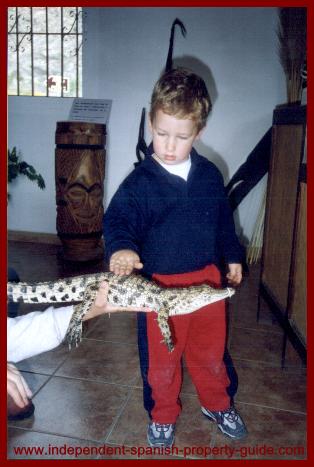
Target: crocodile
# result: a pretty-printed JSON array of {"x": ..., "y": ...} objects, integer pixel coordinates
[{"x": 129, "y": 290}]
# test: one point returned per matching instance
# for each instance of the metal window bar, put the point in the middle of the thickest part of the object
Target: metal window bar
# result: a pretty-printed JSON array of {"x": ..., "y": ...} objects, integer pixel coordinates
[
  {"x": 47, "y": 53},
  {"x": 17, "y": 53},
  {"x": 62, "y": 51},
  {"x": 78, "y": 57},
  {"x": 32, "y": 50},
  {"x": 29, "y": 34}
]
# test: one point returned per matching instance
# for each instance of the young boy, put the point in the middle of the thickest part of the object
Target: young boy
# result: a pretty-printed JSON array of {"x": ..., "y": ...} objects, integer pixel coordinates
[{"x": 170, "y": 219}]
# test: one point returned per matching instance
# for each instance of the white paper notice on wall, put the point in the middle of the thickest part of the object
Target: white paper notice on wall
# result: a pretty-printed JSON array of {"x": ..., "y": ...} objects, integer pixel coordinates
[{"x": 90, "y": 110}]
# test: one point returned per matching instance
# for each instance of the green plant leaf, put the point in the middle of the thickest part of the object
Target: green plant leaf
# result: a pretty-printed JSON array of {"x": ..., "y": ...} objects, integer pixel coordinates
[{"x": 18, "y": 167}]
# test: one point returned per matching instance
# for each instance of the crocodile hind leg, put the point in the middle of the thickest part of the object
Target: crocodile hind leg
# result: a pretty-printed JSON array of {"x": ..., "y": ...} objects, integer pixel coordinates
[
  {"x": 74, "y": 333},
  {"x": 163, "y": 324}
]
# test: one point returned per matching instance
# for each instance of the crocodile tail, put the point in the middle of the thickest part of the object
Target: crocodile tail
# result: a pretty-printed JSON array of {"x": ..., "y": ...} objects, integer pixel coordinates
[{"x": 39, "y": 293}]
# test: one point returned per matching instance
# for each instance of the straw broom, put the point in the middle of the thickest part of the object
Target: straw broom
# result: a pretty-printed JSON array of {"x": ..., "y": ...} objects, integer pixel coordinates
[
  {"x": 254, "y": 251},
  {"x": 291, "y": 34}
]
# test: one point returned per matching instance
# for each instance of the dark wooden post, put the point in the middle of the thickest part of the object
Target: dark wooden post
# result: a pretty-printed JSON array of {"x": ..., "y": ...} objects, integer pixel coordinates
[{"x": 79, "y": 173}]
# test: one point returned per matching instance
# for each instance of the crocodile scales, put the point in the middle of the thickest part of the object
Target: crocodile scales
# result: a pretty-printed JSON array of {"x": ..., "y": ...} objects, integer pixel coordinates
[{"x": 128, "y": 290}]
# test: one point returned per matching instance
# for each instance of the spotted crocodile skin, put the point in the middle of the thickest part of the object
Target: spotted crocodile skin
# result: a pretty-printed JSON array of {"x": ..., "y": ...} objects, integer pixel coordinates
[{"x": 132, "y": 290}]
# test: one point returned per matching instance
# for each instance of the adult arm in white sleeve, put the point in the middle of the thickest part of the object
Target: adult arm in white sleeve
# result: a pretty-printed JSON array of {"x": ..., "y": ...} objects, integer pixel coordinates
[{"x": 37, "y": 332}]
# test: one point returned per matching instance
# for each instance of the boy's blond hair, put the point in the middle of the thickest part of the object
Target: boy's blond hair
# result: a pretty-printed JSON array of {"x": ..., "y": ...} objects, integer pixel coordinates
[{"x": 183, "y": 94}]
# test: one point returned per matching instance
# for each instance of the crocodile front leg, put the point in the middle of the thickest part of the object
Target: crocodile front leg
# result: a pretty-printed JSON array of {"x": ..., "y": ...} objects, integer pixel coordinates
[{"x": 74, "y": 333}]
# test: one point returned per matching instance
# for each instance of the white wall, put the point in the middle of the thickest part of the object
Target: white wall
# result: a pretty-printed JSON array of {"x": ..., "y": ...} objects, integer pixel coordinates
[
  {"x": 32, "y": 126},
  {"x": 235, "y": 50}
]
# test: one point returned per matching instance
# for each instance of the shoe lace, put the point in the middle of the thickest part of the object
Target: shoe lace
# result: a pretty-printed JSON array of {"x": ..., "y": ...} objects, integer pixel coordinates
[
  {"x": 162, "y": 427},
  {"x": 230, "y": 415}
]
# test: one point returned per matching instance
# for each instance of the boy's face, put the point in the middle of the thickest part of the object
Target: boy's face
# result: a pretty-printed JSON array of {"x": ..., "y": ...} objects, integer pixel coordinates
[{"x": 173, "y": 137}]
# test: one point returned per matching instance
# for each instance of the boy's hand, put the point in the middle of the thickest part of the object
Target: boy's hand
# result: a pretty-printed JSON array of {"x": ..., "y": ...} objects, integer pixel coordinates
[
  {"x": 234, "y": 275},
  {"x": 123, "y": 262},
  {"x": 101, "y": 305}
]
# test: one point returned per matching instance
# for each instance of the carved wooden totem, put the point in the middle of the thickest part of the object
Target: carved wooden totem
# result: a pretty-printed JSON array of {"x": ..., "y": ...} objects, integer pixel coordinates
[{"x": 79, "y": 173}]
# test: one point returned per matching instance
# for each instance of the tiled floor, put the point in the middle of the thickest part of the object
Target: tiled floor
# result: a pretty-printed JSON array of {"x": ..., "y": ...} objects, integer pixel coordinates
[{"x": 91, "y": 397}]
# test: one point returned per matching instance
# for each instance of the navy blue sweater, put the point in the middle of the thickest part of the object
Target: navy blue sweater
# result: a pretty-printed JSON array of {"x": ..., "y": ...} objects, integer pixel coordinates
[{"x": 174, "y": 225}]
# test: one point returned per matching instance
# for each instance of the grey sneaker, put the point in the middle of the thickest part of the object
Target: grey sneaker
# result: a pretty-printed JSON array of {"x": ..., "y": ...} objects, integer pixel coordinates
[
  {"x": 160, "y": 434},
  {"x": 228, "y": 421}
]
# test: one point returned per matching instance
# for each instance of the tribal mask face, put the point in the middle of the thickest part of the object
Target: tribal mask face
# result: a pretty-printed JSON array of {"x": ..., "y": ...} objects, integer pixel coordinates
[{"x": 80, "y": 191}]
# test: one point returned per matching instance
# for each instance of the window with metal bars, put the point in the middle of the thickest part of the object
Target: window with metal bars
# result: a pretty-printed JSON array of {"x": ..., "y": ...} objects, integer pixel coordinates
[{"x": 45, "y": 51}]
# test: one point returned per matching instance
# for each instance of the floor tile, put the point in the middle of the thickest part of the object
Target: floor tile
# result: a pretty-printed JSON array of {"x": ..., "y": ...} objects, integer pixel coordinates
[
  {"x": 102, "y": 361},
  {"x": 256, "y": 345},
  {"x": 75, "y": 408},
  {"x": 192, "y": 428},
  {"x": 119, "y": 327},
  {"x": 47, "y": 362},
  {"x": 35, "y": 381},
  {"x": 263, "y": 384},
  {"x": 130, "y": 428},
  {"x": 187, "y": 384}
]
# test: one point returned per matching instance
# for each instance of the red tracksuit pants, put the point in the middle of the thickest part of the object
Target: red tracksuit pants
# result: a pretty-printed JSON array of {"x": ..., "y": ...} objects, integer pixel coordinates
[{"x": 200, "y": 338}]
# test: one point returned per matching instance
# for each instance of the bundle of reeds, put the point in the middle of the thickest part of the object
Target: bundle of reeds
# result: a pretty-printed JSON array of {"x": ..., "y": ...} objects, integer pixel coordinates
[
  {"x": 254, "y": 250},
  {"x": 292, "y": 30}
]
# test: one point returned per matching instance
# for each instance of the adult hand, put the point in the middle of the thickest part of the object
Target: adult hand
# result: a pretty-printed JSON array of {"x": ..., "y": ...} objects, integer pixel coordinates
[
  {"x": 123, "y": 262},
  {"x": 101, "y": 305},
  {"x": 17, "y": 387},
  {"x": 234, "y": 275}
]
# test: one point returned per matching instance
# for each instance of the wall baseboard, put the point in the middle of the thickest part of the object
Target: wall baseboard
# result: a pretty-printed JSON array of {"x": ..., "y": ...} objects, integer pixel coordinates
[{"x": 33, "y": 237}]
